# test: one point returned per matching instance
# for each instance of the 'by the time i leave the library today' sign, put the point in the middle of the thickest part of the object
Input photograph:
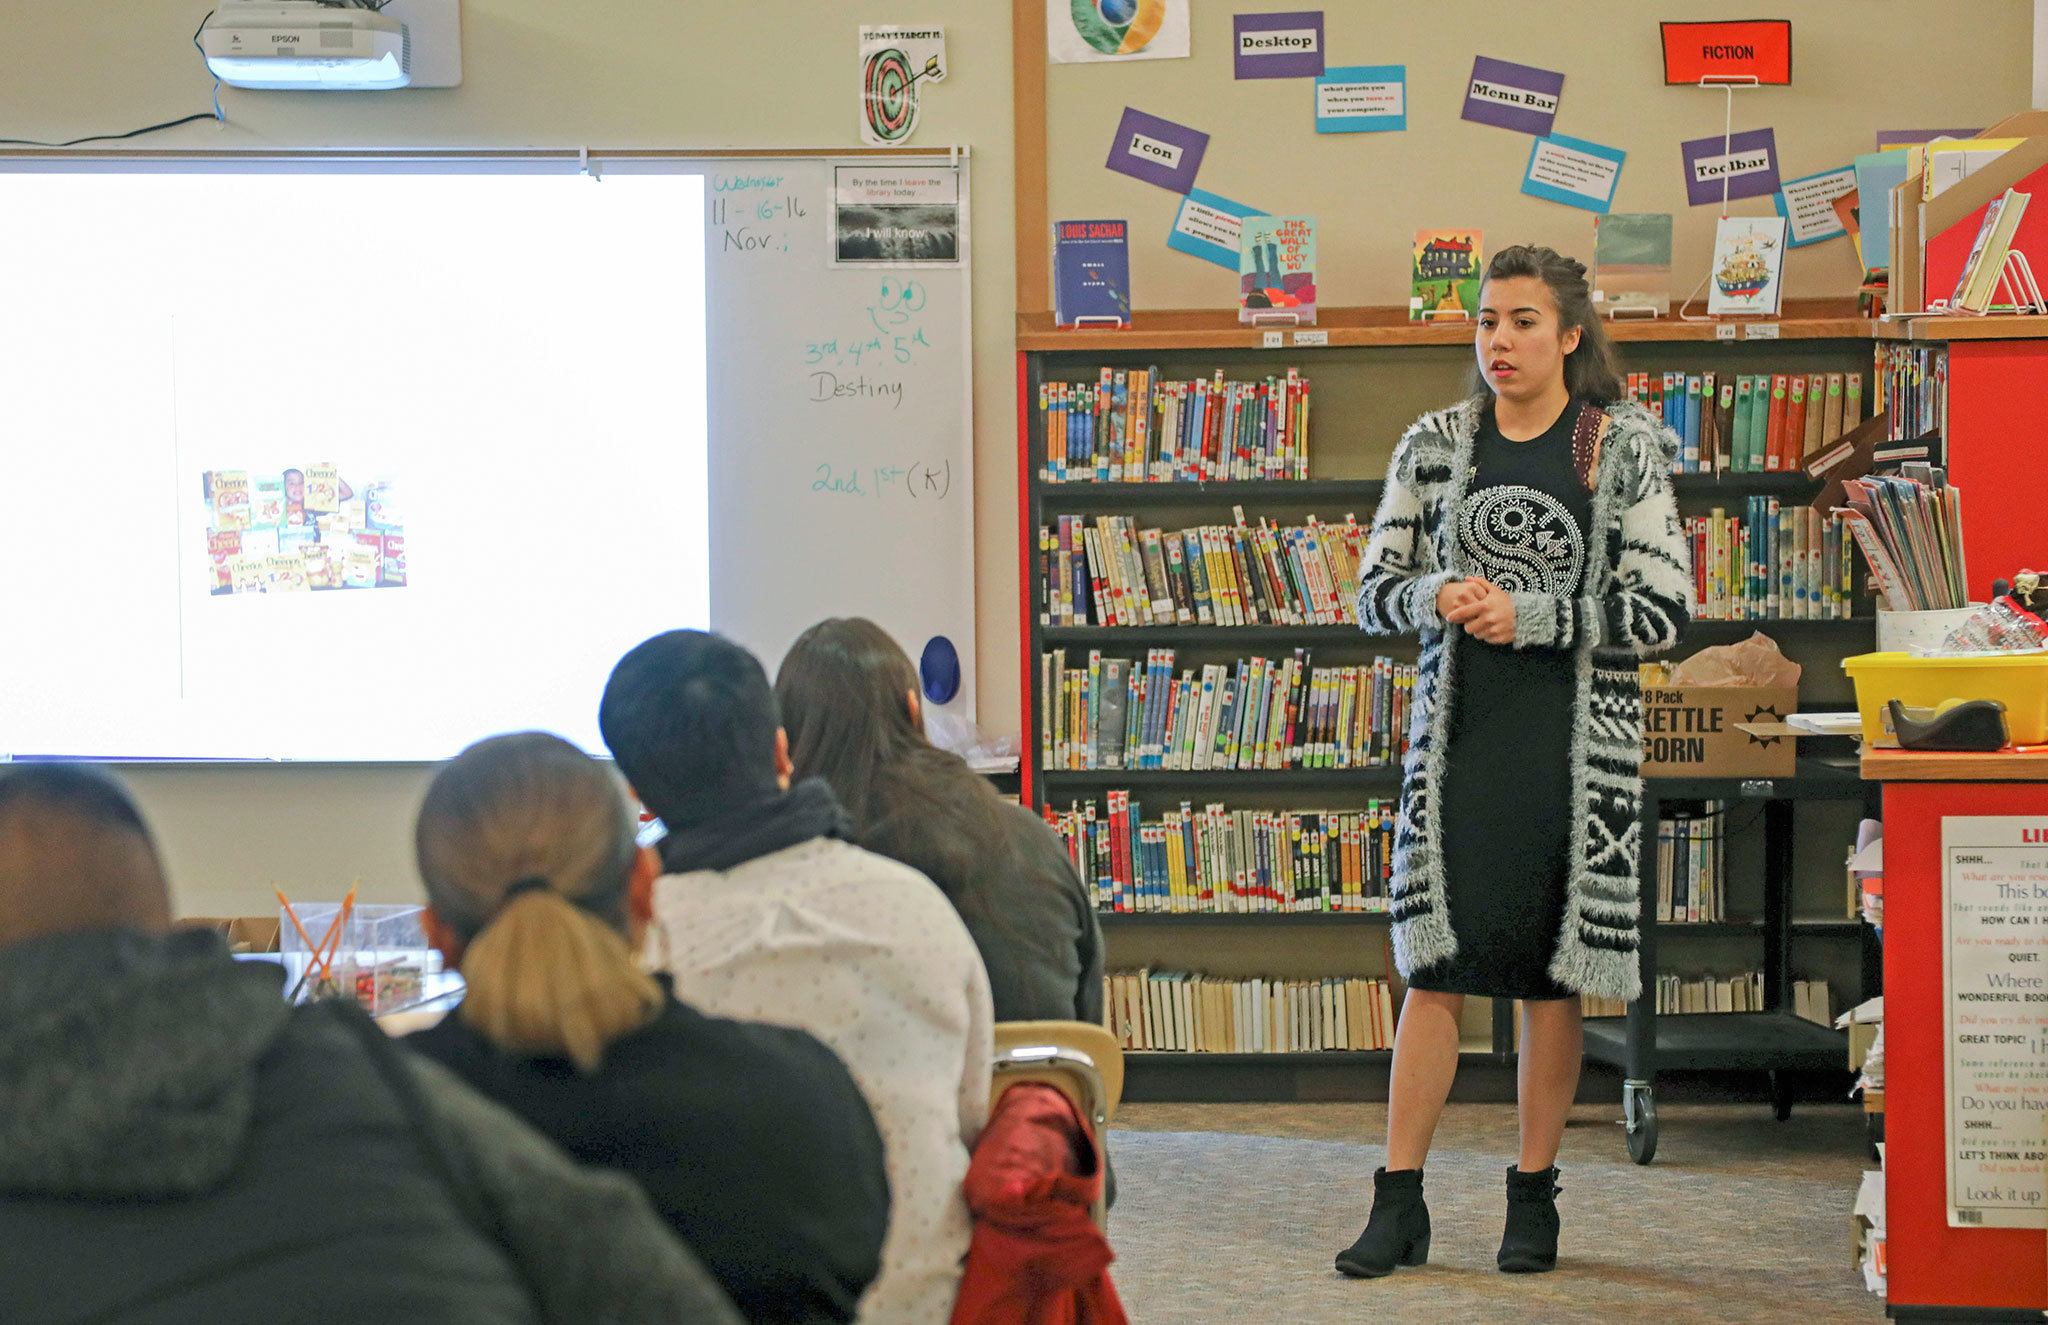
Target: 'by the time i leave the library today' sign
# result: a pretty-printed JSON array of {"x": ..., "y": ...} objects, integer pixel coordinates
[{"x": 1994, "y": 967}]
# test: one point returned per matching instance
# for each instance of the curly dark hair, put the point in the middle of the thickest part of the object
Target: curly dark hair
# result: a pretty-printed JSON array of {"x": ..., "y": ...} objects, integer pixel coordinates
[{"x": 1591, "y": 371}]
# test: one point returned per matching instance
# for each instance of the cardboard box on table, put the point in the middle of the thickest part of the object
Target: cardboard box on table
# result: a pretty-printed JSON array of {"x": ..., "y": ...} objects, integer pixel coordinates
[
  {"x": 243, "y": 933},
  {"x": 1718, "y": 731}
]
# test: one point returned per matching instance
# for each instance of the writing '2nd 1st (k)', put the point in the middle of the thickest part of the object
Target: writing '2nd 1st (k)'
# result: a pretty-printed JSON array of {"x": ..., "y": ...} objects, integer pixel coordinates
[{"x": 918, "y": 480}]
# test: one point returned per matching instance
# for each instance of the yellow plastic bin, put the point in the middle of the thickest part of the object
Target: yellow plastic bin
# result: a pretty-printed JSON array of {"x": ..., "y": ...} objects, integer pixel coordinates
[{"x": 2017, "y": 680}]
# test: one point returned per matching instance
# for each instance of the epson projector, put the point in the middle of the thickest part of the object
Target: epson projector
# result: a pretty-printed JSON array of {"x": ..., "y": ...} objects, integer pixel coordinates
[{"x": 310, "y": 46}]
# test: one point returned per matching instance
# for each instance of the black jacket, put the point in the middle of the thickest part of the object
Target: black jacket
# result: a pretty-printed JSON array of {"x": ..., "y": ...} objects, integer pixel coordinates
[
  {"x": 1034, "y": 921},
  {"x": 752, "y": 1141},
  {"x": 176, "y": 1145}
]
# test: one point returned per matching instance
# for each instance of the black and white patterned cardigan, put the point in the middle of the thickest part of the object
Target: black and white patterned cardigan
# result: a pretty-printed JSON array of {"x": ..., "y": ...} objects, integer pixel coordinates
[{"x": 1637, "y": 594}]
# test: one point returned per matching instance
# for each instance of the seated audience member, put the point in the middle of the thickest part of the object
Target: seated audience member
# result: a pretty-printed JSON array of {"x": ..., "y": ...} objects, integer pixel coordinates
[
  {"x": 751, "y": 1140},
  {"x": 177, "y": 1144},
  {"x": 849, "y": 700},
  {"x": 768, "y": 911}
]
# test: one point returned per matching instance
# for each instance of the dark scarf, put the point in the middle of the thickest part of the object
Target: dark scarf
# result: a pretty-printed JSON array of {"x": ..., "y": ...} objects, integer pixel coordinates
[{"x": 757, "y": 828}]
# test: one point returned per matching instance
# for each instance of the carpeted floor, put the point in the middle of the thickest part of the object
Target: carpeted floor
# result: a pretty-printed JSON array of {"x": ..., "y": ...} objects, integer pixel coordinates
[{"x": 1232, "y": 1213}]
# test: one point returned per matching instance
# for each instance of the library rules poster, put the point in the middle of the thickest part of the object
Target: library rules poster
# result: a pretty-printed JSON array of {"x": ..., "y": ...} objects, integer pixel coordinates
[{"x": 1995, "y": 992}]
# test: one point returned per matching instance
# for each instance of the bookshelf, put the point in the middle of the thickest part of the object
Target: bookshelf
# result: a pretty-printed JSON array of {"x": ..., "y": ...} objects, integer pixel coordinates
[{"x": 1372, "y": 375}]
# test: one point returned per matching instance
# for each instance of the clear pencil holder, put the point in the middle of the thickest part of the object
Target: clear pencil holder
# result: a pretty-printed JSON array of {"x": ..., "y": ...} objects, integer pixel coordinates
[{"x": 381, "y": 958}]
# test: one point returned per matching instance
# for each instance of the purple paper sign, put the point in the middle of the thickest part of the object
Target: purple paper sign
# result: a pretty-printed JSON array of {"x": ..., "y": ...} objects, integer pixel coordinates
[
  {"x": 1157, "y": 151},
  {"x": 1747, "y": 162},
  {"x": 1279, "y": 45},
  {"x": 1906, "y": 137},
  {"x": 1513, "y": 96}
]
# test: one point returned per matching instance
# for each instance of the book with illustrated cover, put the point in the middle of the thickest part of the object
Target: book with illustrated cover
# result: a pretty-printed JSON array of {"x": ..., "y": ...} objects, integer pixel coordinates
[
  {"x": 1978, "y": 282},
  {"x": 1091, "y": 272},
  {"x": 1277, "y": 269},
  {"x": 1444, "y": 273},
  {"x": 1749, "y": 255},
  {"x": 1632, "y": 262}
]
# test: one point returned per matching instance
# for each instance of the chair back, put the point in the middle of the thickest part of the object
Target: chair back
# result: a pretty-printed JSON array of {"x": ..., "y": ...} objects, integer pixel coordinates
[{"x": 1082, "y": 1061}]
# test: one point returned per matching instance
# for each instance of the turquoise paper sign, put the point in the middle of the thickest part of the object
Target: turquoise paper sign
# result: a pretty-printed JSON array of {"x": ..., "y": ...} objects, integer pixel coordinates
[{"x": 1362, "y": 98}]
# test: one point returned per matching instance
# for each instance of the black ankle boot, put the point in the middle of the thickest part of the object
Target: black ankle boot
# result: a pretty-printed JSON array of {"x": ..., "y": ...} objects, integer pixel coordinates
[
  {"x": 1396, "y": 1233},
  {"x": 1530, "y": 1243}
]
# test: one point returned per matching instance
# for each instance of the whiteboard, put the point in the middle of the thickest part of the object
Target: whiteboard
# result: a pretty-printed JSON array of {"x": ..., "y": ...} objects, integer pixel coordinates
[
  {"x": 837, "y": 394},
  {"x": 841, "y": 418}
]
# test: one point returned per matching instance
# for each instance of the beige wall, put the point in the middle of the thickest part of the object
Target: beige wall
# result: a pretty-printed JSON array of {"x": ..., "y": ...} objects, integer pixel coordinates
[
  {"x": 1858, "y": 65},
  {"x": 689, "y": 74}
]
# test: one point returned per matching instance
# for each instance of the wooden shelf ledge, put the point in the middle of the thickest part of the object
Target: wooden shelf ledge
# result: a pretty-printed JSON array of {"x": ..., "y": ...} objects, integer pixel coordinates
[
  {"x": 2032, "y": 326},
  {"x": 1388, "y": 326}
]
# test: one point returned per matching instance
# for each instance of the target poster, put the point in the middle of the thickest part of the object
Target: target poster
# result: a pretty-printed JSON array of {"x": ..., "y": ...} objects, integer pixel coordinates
[
  {"x": 1112, "y": 31},
  {"x": 896, "y": 63}
]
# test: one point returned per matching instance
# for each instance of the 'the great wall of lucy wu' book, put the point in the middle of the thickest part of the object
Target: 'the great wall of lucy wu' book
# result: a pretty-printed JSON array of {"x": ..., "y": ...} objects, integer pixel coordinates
[{"x": 1276, "y": 266}]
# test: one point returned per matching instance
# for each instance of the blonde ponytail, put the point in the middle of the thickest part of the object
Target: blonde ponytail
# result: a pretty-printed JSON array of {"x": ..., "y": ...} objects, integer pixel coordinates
[
  {"x": 527, "y": 848},
  {"x": 549, "y": 979}
]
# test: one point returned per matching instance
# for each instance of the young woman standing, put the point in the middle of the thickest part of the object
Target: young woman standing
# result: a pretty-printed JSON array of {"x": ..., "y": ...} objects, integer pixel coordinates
[{"x": 1529, "y": 537}]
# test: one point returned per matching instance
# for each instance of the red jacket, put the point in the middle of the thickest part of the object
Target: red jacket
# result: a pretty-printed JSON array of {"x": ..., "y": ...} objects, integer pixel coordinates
[{"x": 1037, "y": 1258}]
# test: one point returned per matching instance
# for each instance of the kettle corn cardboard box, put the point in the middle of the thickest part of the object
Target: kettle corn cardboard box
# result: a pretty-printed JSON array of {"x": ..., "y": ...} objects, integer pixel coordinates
[{"x": 1700, "y": 731}]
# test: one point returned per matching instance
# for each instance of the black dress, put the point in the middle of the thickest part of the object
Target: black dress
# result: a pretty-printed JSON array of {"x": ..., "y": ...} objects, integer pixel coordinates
[{"x": 1505, "y": 804}]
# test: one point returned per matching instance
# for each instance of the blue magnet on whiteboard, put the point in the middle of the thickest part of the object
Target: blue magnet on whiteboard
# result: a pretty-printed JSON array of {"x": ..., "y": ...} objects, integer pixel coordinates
[{"x": 939, "y": 669}]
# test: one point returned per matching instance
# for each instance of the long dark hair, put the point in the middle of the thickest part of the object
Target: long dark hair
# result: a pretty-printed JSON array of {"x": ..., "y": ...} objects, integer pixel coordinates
[
  {"x": 843, "y": 691},
  {"x": 1591, "y": 372}
]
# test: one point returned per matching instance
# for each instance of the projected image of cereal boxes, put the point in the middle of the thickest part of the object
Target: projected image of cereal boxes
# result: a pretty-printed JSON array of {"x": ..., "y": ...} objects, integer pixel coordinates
[{"x": 306, "y": 529}]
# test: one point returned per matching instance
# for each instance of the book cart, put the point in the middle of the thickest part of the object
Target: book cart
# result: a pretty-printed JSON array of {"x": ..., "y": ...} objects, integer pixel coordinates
[
  {"x": 1371, "y": 373},
  {"x": 1774, "y": 1041}
]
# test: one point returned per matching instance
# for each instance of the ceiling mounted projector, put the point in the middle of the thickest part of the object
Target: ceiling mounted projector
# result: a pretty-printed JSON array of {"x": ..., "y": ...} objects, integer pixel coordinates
[{"x": 328, "y": 46}]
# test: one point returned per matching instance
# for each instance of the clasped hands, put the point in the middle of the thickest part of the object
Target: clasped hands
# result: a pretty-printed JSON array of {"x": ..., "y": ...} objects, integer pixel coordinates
[{"x": 1484, "y": 609}]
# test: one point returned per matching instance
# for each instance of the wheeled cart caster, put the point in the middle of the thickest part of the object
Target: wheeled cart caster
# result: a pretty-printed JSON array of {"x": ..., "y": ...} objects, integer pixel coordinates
[{"x": 1639, "y": 1115}]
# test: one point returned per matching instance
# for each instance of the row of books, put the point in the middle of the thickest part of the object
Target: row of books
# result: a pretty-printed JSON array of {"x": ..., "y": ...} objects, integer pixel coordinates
[
  {"x": 1772, "y": 562},
  {"x": 1184, "y": 1012},
  {"x": 1912, "y": 390},
  {"x": 1133, "y": 426},
  {"x": 1741, "y": 992},
  {"x": 1256, "y": 713},
  {"x": 1215, "y": 860},
  {"x": 1692, "y": 865},
  {"x": 1911, "y": 531},
  {"x": 1750, "y": 423},
  {"x": 1107, "y": 571}
]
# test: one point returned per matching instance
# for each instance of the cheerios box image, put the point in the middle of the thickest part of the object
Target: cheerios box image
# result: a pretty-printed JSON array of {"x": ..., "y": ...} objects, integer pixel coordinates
[{"x": 1718, "y": 731}]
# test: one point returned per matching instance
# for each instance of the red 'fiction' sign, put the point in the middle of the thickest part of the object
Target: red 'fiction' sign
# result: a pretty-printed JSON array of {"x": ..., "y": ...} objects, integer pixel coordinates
[{"x": 1758, "y": 48}]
